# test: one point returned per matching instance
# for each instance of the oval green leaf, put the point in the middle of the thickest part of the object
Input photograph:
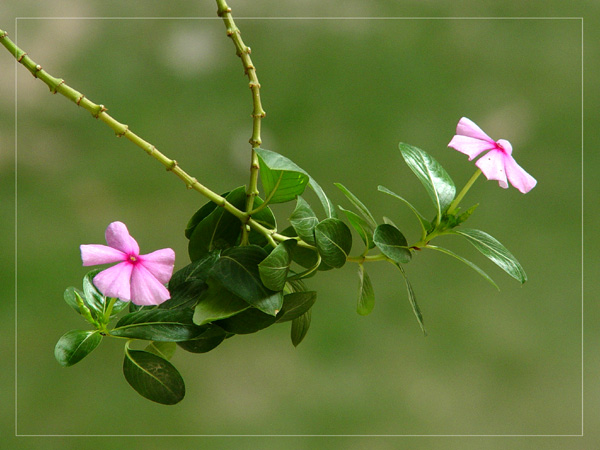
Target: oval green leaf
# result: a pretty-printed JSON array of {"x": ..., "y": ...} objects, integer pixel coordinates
[
  {"x": 432, "y": 175},
  {"x": 358, "y": 205},
  {"x": 164, "y": 325},
  {"x": 165, "y": 350},
  {"x": 304, "y": 221},
  {"x": 282, "y": 179},
  {"x": 274, "y": 268},
  {"x": 364, "y": 230},
  {"x": 334, "y": 242},
  {"x": 153, "y": 377},
  {"x": 495, "y": 251},
  {"x": 206, "y": 342},
  {"x": 248, "y": 321},
  {"x": 300, "y": 326},
  {"x": 237, "y": 271},
  {"x": 392, "y": 243},
  {"x": 413, "y": 301},
  {"x": 217, "y": 303},
  {"x": 75, "y": 345},
  {"x": 366, "y": 295},
  {"x": 296, "y": 304}
]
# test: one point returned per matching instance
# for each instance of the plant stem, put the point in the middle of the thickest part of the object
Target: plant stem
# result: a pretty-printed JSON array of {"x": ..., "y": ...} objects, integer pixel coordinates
[
  {"x": 462, "y": 193},
  {"x": 243, "y": 51},
  {"x": 58, "y": 86}
]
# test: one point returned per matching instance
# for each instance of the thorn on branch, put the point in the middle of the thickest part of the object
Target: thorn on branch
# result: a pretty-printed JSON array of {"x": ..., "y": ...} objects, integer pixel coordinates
[{"x": 37, "y": 69}]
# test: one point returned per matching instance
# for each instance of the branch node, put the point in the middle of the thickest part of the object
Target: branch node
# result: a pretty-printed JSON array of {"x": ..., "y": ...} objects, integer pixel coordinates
[
  {"x": 21, "y": 56},
  {"x": 55, "y": 90},
  {"x": 78, "y": 102},
  {"x": 124, "y": 132},
  {"x": 172, "y": 166},
  {"x": 3, "y": 35},
  {"x": 37, "y": 69},
  {"x": 100, "y": 110}
]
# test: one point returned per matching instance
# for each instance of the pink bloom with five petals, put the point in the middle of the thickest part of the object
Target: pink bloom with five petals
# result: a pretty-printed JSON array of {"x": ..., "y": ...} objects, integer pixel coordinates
[
  {"x": 139, "y": 278},
  {"x": 498, "y": 163}
]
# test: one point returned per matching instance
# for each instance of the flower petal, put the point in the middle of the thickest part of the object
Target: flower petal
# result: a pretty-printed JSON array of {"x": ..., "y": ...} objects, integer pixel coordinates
[
  {"x": 146, "y": 289},
  {"x": 492, "y": 166},
  {"x": 117, "y": 236},
  {"x": 115, "y": 281},
  {"x": 470, "y": 146},
  {"x": 518, "y": 177},
  {"x": 93, "y": 254},
  {"x": 466, "y": 127},
  {"x": 159, "y": 263}
]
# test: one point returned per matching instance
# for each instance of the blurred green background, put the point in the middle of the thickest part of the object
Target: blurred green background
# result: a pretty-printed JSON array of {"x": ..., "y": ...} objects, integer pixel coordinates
[{"x": 339, "y": 94}]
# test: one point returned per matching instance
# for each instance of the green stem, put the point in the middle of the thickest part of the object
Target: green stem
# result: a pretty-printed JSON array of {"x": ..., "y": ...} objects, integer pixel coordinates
[
  {"x": 243, "y": 51},
  {"x": 462, "y": 193},
  {"x": 58, "y": 86},
  {"x": 364, "y": 258}
]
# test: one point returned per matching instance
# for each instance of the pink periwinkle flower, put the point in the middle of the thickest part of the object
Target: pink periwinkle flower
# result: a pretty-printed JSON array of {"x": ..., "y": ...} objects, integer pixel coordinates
[
  {"x": 139, "y": 278},
  {"x": 498, "y": 163}
]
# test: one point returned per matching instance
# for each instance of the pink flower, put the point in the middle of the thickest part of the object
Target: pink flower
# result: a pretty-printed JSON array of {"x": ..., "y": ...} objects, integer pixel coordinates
[
  {"x": 139, "y": 278},
  {"x": 498, "y": 163}
]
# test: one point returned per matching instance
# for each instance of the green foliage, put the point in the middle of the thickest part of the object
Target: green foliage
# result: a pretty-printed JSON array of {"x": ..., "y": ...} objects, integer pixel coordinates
[
  {"x": 282, "y": 179},
  {"x": 495, "y": 251},
  {"x": 304, "y": 221},
  {"x": 75, "y": 345},
  {"x": 217, "y": 303},
  {"x": 165, "y": 350},
  {"x": 334, "y": 242},
  {"x": 392, "y": 243},
  {"x": 275, "y": 267},
  {"x": 361, "y": 226},
  {"x": 432, "y": 175},
  {"x": 212, "y": 336},
  {"x": 300, "y": 326},
  {"x": 366, "y": 295},
  {"x": 295, "y": 304},
  {"x": 413, "y": 300},
  {"x": 165, "y": 325},
  {"x": 153, "y": 377}
]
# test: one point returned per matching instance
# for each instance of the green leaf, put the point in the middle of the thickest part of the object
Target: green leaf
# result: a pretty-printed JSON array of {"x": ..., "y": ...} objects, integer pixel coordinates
[
  {"x": 358, "y": 205},
  {"x": 334, "y": 241},
  {"x": 494, "y": 251},
  {"x": 219, "y": 229},
  {"x": 425, "y": 225},
  {"x": 437, "y": 182},
  {"x": 200, "y": 215},
  {"x": 282, "y": 179},
  {"x": 274, "y": 268},
  {"x": 413, "y": 300},
  {"x": 303, "y": 256},
  {"x": 296, "y": 304},
  {"x": 217, "y": 303},
  {"x": 164, "y": 325},
  {"x": 304, "y": 221},
  {"x": 248, "y": 321},
  {"x": 92, "y": 297},
  {"x": 165, "y": 350},
  {"x": 153, "y": 377},
  {"x": 300, "y": 326},
  {"x": 364, "y": 230},
  {"x": 327, "y": 205},
  {"x": 366, "y": 295},
  {"x": 206, "y": 342},
  {"x": 466, "y": 261},
  {"x": 75, "y": 345},
  {"x": 237, "y": 270},
  {"x": 392, "y": 243},
  {"x": 189, "y": 283},
  {"x": 71, "y": 299}
]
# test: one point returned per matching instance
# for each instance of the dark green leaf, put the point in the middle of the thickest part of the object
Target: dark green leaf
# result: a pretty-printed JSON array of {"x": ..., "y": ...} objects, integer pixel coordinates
[
  {"x": 327, "y": 205},
  {"x": 425, "y": 225},
  {"x": 165, "y": 350},
  {"x": 466, "y": 261},
  {"x": 495, "y": 251},
  {"x": 237, "y": 270},
  {"x": 304, "y": 221},
  {"x": 219, "y": 229},
  {"x": 334, "y": 242},
  {"x": 165, "y": 325},
  {"x": 153, "y": 377},
  {"x": 282, "y": 179},
  {"x": 296, "y": 304},
  {"x": 413, "y": 301},
  {"x": 361, "y": 226},
  {"x": 75, "y": 345},
  {"x": 217, "y": 303},
  {"x": 392, "y": 243},
  {"x": 274, "y": 268},
  {"x": 200, "y": 215},
  {"x": 437, "y": 182},
  {"x": 206, "y": 342},
  {"x": 248, "y": 321},
  {"x": 300, "y": 326},
  {"x": 366, "y": 295},
  {"x": 358, "y": 205}
]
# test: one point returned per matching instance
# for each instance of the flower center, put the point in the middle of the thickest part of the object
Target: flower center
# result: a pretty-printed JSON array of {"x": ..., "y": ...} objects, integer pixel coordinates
[{"x": 132, "y": 259}]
